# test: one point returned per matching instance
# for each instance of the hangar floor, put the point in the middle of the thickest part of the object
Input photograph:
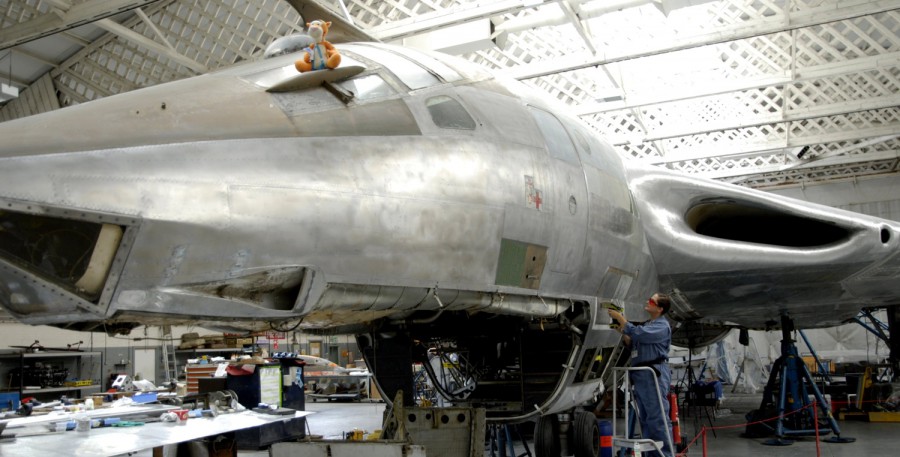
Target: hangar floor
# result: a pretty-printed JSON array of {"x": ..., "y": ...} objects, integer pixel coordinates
[
  {"x": 872, "y": 439},
  {"x": 333, "y": 420}
]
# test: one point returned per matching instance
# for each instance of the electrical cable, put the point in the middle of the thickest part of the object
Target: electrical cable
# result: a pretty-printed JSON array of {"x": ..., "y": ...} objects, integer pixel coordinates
[{"x": 273, "y": 327}]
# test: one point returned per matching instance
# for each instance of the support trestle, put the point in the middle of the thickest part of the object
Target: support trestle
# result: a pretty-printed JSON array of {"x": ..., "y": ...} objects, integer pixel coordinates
[{"x": 793, "y": 384}]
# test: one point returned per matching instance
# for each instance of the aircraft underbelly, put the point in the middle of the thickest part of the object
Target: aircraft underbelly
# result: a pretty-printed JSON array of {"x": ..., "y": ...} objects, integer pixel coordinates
[{"x": 754, "y": 298}]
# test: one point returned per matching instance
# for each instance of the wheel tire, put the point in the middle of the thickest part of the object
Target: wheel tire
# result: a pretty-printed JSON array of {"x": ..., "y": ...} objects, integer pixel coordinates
[
  {"x": 586, "y": 435},
  {"x": 546, "y": 437}
]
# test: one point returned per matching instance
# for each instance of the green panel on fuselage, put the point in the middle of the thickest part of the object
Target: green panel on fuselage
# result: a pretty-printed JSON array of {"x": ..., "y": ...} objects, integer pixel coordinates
[{"x": 520, "y": 264}]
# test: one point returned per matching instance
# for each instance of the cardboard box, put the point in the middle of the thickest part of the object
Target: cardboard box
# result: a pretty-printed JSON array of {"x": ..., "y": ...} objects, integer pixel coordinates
[
  {"x": 811, "y": 365},
  {"x": 234, "y": 342}
]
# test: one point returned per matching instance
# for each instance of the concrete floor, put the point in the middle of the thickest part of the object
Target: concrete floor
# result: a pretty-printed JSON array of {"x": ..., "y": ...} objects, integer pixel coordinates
[
  {"x": 872, "y": 439},
  {"x": 333, "y": 420}
]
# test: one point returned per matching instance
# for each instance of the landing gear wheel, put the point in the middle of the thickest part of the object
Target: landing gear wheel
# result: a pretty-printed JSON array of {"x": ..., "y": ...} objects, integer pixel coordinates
[
  {"x": 586, "y": 431},
  {"x": 546, "y": 437}
]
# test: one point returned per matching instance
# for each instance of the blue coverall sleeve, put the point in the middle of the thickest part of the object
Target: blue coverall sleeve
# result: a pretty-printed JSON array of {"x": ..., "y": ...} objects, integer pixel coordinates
[{"x": 654, "y": 332}]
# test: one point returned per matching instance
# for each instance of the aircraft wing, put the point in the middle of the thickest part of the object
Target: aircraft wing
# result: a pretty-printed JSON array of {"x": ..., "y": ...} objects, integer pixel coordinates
[
  {"x": 736, "y": 256},
  {"x": 314, "y": 364},
  {"x": 341, "y": 31}
]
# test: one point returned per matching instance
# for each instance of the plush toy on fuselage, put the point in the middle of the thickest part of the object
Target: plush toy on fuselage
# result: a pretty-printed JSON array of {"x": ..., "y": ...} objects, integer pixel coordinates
[{"x": 321, "y": 54}]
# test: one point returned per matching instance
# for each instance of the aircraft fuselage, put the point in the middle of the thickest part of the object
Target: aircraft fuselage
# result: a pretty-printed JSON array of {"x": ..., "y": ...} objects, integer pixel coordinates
[{"x": 412, "y": 200}]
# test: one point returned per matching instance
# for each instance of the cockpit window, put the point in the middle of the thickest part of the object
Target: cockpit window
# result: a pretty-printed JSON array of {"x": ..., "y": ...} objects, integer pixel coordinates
[
  {"x": 448, "y": 113},
  {"x": 558, "y": 142},
  {"x": 411, "y": 74},
  {"x": 367, "y": 87}
]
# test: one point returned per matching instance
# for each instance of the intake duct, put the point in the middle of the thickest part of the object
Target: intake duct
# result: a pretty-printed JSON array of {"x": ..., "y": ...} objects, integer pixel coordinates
[
  {"x": 75, "y": 255},
  {"x": 753, "y": 224}
]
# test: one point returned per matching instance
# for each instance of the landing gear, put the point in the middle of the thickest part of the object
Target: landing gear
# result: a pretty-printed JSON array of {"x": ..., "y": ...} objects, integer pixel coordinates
[
  {"x": 546, "y": 436},
  {"x": 586, "y": 435},
  {"x": 391, "y": 353},
  {"x": 580, "y": 436},
  {"x": 791, "y": 380}
]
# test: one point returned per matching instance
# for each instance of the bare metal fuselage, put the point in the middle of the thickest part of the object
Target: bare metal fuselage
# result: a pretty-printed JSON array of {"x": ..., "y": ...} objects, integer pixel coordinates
[
  {"x": 227, "y": 183},
  {"x": 220, "y": 203}
]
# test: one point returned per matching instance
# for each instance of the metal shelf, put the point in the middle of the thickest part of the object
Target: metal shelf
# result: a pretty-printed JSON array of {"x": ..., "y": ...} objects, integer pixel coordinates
[
  {"x": 56, "y": 355},
  {"x": 186, "y": 351},
  {"x": 60, "y": 389},
  {"x": 68, "y": 359}
]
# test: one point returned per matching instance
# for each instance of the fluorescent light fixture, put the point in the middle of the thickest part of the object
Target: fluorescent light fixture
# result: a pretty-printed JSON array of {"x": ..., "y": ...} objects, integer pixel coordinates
[{"x": 8, "y": 93}]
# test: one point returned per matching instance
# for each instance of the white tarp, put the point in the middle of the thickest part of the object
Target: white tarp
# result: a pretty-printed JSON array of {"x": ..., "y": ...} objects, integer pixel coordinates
[{"x": 848, "y": 343}]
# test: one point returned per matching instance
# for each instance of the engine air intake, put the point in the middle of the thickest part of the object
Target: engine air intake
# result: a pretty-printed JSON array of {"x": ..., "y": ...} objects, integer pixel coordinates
[{"x": 752, "y": 224}]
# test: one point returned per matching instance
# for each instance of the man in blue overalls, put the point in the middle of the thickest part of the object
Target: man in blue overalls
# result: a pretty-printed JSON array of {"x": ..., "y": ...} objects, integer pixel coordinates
[{"x": 650, "y": 343}]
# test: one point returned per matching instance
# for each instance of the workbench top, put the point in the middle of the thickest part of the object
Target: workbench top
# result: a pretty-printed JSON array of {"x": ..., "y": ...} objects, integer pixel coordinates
[{"x": 109, "y": 441}]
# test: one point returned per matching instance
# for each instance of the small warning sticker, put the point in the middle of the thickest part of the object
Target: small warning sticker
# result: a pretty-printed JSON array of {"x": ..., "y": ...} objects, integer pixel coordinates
[{"x": 534, "y": 198}]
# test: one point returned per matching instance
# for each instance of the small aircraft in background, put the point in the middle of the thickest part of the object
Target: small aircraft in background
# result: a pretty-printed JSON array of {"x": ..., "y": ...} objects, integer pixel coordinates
[
  {"x": 37, "y": 347},
  {"x": 418, "y": 202},
  {"x": 318, "y": 364}
]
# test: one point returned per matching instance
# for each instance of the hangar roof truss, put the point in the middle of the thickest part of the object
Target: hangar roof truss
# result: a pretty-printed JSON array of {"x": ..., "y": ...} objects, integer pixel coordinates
[{"x": 756, "y": 92}]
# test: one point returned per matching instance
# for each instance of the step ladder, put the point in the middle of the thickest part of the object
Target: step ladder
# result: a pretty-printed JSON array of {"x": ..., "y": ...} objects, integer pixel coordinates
[
  {"x": 609, "y": 370},
  {"x": 170, "y": 362},
  {"x": 638, "y": 445}
]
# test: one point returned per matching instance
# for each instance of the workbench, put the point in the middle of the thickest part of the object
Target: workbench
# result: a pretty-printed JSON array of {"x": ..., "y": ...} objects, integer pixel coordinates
[{"x": 109, "y": 441}]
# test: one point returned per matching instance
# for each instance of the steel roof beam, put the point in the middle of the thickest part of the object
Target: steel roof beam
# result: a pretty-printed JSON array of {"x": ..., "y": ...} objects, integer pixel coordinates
[
  {"x": 779, "y": 147},
  {"x": 840, "y": 152},
  {"x": 781, "y": 23},
  {"x": 834, "y": 109},
  {"x": 845, "y": 160},
  {"x": 673, "y": 94},
  {"x": 440, "y": 19},
  {"x": 558, "y": 17},
  {"x": 61, "y": 19},
  {"x": 575, "y": 19},
  {"x": 125, "y": 33},
  {"x": 34, "y": 57},
  {"x": 154, "y": 28}
]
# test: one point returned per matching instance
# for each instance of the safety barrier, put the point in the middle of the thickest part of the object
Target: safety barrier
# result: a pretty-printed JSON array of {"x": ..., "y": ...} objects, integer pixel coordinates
[{"x": 704, "y": 430}]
